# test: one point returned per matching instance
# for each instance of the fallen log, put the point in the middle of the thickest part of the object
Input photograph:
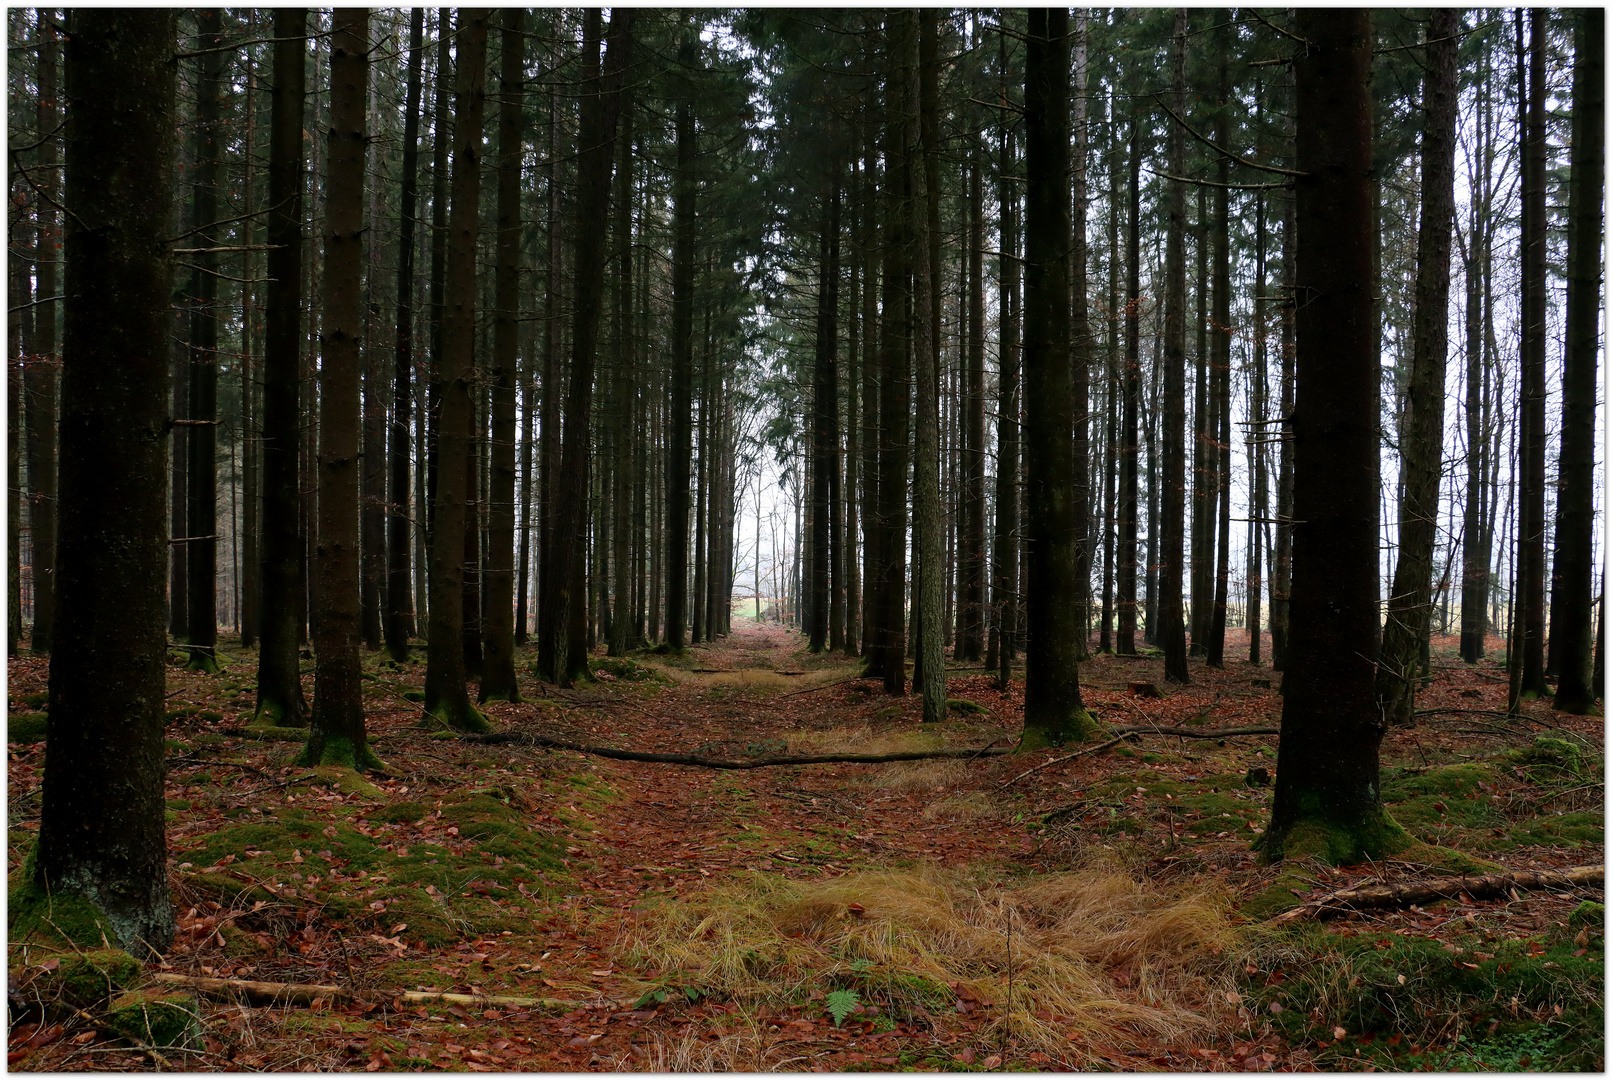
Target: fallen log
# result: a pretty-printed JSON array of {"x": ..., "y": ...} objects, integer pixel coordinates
[
  {"x": 1194, "y": 733},
  {"x": 305, "y": 994},
  {"x": 522, "y": 738},
  {"x": 1403, "y": 894},
  {"x": 1067, "y": 757}
]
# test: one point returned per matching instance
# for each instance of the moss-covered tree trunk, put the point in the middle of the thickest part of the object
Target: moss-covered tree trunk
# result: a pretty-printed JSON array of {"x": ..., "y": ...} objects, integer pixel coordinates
[
  {"x": 1327, "y": 798},
  {"x": 1053, "y": 710},
  {"x": 338, "y": 736},
  {"x": 447, "y": 698},
  {"x": 279, "y": 685},
  {"x": 101, "y": 823},
  {"x": 498, "y": 669}
]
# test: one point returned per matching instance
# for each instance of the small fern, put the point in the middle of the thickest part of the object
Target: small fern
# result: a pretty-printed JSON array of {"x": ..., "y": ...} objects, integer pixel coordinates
[{"x": 841, "y": 1003}]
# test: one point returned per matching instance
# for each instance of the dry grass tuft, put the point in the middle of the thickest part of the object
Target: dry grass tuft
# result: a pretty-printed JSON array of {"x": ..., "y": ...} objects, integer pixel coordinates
[
  {"x": 742, "y": 678},
  {"x": 686, "y": 1052},
  {"x": 925, "y": 777},
  {"x": 1088, "y": 956},
  {"x": 964, "y": 806},
  {"x": 863, "y": 740}
]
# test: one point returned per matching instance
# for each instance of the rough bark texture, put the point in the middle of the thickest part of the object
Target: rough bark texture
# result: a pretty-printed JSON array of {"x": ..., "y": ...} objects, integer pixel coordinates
[
  {"x": 895, "y": 393},
  {"x": 566, "y": 609},
  {"x": 399, "y": 525},
  {"x": 1572, "y": 596},
  {"x": 929, "y": 524},
  {"x": 1529, "y": 651},
  {"x": 1005, "y": 551},
  {"x": 337, "y": 735},
  {"x": 679, "y": 450},
  {"x": 1172, "y": 503},
  {"x": 101, "y": 823},
  {"x": 1053, "y": 710},
  {"x": 1125, "y": 633},
  {"x": 44, "y": 364},
  {"x": 1327, "y": 800},
  {"x": 447, "y": 698},
  {"x": 279, "y": 687},
  {"x": 1410, "y": 603},
  {"x": 498, "y": 667}
]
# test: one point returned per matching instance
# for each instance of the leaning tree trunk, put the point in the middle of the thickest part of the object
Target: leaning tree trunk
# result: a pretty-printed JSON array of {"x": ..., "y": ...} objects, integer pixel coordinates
[
  {"x": 1327, "y": 801},
  {"x": 1572, "y": 598},
  {"x": 498, "y": 599},
  {"x": 447, "y": 698},
  {"x": 101, "y": 819},
  {"x": 1053, "y": 710},
  {"x": 337, "y": 735},
  {"x": 1410, "y": 602},
  {"x": 279, "y": 685}
]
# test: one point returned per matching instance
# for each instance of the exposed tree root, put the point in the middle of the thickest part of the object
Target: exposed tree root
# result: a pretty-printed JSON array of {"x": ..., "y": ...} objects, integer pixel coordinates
[
  {"x": 1194, "y": 733},
  {"x": 305, "y": 994},
  {"x": 701, "y": 762},
  {"x": 1406, "y": 893}
]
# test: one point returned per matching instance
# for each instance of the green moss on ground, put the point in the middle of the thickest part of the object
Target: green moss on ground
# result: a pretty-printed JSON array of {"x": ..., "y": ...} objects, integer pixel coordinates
[
  {"x": 82, "y": 980},
  {"x": 38, "y": 917},
  {"x": 154, "y": 1019},
  {"x": 1078, "y": 727},
  {"x": 28, "y": 728},
  {"x": 399, "y": 813}
]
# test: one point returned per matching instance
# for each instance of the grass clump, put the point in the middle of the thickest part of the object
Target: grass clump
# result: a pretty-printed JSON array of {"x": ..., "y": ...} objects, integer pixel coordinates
[{"x": 919, "y": 940}]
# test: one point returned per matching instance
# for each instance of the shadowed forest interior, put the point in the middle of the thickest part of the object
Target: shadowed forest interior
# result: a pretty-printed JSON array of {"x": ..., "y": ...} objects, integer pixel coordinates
[{"x": 526, "y": 435}]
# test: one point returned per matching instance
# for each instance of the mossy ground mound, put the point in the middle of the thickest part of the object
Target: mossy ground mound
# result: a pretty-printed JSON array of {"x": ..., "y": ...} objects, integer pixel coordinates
[
  {"x": 157, "y": 1020},
  {"x": 1475, "y": 806},
  {"x": 447, "y": 877},
  {"x": 28, "y": 728},
  {"x": 81, "y": 980}
]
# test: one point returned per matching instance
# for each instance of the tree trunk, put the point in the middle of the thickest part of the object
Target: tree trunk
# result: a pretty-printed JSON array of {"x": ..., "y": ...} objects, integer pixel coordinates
[
  {"x": 1005, "y": 551},
  {"x": 279, "y": 686},
  {"x": 1220, "y": 360},
  {"x": 895, "y": 408},
  {"x": 565, "y": 611},
  {"x": 1125, "y": 635},
  {"x": 101, "y": 820},
  {"x": 1080, "y": 352},
  {"x": 1053, "y": 710},
  {"x": 679, "y": 450},
  {"x": 498, "y": 669},
  {"x": 928, "y": 515},
  {"x": 1572, "y": 599},
  {"x": 337, "y": 735},
  {"x": 971, "y": 614},
  {"x": 625, "y": 395},
  {"x": 825, "y": 411},
  {"x": 447, "y": 698},
  {"x": 1258, "y": 435},
  {"x": 399, "y": 599},
  {"x": 1171, "y": 523},
  {"x": 1421, "y": 449},
  {"x": 1282, "y": 574},
  {"x": 1531, "y": 434},
  {"x": 1326, "y": 798},
  {"x": 41, "y": 370}
]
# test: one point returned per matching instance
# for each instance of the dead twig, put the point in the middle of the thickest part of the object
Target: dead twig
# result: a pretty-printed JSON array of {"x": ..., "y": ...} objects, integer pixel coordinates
[{"x": 1068, "y": 757}]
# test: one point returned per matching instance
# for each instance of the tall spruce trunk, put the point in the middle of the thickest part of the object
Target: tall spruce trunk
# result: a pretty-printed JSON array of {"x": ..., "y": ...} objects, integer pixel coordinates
[
  {"x": 825, "y": 412},
  {"x": 1421, "y": 454},
  {"x": 1172, "y": 510},
  {"x": 1053, "y": 710},
  {"x": 1080, "y": 350},
  {"x": 498, "y": 668},
  {"x": 562, "y": 624},
  {"x": 1327, "y": 802},
  {"x": 40, "y": 378},
  {"x": 399, "y": 597},
  {"x": 337, "y": 734},
  {"x": 679, "y": 451},
  {"x": 279, "y": 686},
  {"x": 447, "y": 697},
  {"x": 1572, "y": 599},
  {"x": 101, "y": 817},
  {"x": 1129, "y": 501},
  {"x": 1005, "y": 551},
  {"x": 201, "y": 473},
  {"x": 1220, "y": 360},
  {"x": 895, "y": 394}
]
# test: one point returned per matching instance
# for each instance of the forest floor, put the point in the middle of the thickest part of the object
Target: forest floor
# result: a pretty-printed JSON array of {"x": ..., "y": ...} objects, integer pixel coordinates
[{"x": 1102, "y": 911}]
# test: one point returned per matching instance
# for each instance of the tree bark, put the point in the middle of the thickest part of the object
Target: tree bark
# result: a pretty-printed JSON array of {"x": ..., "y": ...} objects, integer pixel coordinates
[
  {"x": 1421, "y": 451},
  {"x": 1530, "y": 562},
  {"x": 680, "y": 449},
  {"x": 1125, "y": 634},
  {"x": 279, "y": 686},
  {"x": 1220, "y": 359},
  {"x": 895, "y": 392},
  {"x": 337, "y": 735},
  {"x": 40, "y": 376},
  {"x": 101, "y": 821},
  {"x": 1572, "y": 596},
  {"x": 1327, "y": 801},
  {"x": 1172, "y": 504},
  {"x": 498, "y": 670},
  {"x": 1053, "y": 710},
  {"x": 446, "y": 696},
  {"x": 825, "y": 411}
]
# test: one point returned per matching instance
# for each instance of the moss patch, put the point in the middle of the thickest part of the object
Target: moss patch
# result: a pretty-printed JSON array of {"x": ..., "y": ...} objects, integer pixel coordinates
[
  {"x": 82, "y": 979},
  {"x": 154, "y": 1019},
  {"x": 399, "y": 813},
  {"x": 54, "y": 920},
  {"x": 28, "y": 728}
]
